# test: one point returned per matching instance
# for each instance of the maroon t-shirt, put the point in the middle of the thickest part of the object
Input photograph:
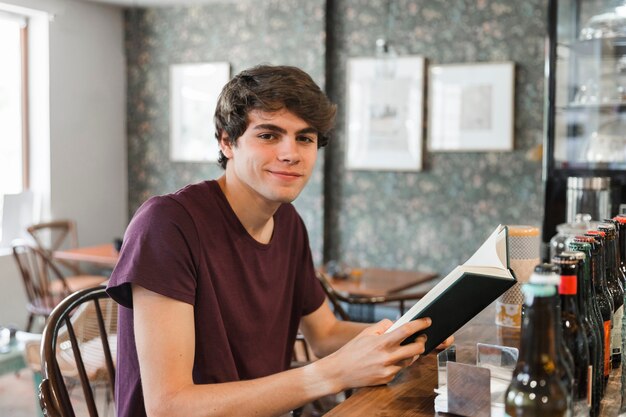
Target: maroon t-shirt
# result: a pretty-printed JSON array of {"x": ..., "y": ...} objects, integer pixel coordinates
[{"x": 248, "y": 297}]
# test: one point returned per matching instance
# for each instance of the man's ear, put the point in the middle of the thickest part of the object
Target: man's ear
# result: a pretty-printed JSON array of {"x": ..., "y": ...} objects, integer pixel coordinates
[{"x": 225, "y": 145}]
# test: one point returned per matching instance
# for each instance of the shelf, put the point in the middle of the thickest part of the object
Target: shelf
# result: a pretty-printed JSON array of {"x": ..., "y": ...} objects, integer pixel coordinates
[
  {"x": 608, "y": 47},
  {"x": 610, "y": 107},
  {"x": 602, "y": 166}
]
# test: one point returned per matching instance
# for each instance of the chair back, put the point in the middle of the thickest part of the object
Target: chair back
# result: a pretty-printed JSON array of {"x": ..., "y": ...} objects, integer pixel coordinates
[
  {"x": 332, "y": 295},
  {"x": 56, "y": 235},
  {"x": 37, "y": 275},
  {"x": 79, "y": 348}
]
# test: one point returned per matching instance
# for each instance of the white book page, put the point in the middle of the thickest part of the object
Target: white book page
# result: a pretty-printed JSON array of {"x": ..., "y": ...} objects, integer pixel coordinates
[{"x": 482, "y": 262}]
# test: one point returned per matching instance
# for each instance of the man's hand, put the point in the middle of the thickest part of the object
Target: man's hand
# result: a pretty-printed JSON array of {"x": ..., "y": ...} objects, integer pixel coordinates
[
  {"x": 373, "y": 357},
  {"x": 446, "y": 343}
]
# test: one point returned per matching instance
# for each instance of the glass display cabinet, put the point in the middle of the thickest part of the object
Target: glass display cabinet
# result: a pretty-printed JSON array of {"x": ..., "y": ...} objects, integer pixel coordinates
[{"x": 585, "y": 114}]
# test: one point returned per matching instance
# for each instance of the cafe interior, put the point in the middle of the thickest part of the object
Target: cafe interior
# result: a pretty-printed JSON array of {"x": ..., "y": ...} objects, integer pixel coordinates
[{"x": 453, "y": 117}]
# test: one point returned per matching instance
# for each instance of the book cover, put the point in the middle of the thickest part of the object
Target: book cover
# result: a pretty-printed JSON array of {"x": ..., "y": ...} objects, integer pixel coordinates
[{"x": 464, "y": 292}]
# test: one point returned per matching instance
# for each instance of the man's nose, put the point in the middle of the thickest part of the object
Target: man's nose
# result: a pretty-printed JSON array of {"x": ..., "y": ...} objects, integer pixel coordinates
[{"x": 288, "y": 151}]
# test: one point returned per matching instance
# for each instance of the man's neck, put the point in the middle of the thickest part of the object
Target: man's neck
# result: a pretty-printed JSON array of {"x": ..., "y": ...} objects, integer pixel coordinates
[{"x": 255, "y": 215}]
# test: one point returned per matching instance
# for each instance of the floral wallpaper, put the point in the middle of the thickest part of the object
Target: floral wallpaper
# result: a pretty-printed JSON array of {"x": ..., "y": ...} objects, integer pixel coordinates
[
  {"x": 430, "y": 220},
  {"x": 244, "y": 33},
  {"x": 436, "y": 218}
]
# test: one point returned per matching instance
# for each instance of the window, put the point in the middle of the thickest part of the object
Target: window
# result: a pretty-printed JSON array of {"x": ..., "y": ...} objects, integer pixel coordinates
[{"x": 13, "y": 105}]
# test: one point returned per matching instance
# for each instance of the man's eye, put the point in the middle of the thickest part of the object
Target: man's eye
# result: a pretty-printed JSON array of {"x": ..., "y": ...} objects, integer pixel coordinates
[
  {"x": 306, "y": 139},
  {"x": 266, "y": 136}
]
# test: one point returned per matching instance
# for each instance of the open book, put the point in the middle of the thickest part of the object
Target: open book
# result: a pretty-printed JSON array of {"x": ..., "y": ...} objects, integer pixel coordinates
[{"x": 464, "y": 292}]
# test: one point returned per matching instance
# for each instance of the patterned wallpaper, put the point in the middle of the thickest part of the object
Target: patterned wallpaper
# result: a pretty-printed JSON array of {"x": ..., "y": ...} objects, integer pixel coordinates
[
  {"x": 433, "y": 219},
  {"x": 436, "y": 218},
  {"x": 244, "y": 34}
]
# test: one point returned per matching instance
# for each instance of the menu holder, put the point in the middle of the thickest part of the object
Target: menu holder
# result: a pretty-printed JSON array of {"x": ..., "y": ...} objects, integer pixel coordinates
[{"x": 469, "y": 389}]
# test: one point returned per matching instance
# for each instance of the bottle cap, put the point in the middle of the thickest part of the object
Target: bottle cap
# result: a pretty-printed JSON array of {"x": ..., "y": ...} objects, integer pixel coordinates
[
  {"x": 576, "y": 254},
  {"x": 546, "y": 274},
  {"x": 565, "y": 258},
  {"x": 538, "y": 290}
]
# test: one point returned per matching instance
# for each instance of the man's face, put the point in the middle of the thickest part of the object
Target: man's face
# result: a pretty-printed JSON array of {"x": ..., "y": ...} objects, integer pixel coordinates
[{"x": 273, "y": 159}]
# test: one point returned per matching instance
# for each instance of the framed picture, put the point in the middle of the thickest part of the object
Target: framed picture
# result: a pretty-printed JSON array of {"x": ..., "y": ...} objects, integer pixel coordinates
[
  {"x": 470, "y": 107},
  {"x": 194, "y": 89},
  {"x": 385, "y": 113}
]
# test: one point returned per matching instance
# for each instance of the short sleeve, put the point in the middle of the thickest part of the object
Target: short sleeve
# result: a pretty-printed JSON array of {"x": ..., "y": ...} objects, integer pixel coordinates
[
  {"x": 313, "y": 293},
  {"x": 159, "y": 253}
]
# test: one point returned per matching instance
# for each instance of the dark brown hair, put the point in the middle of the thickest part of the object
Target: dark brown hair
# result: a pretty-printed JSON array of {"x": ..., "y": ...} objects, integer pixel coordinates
[{"x": 272, "y": 88}]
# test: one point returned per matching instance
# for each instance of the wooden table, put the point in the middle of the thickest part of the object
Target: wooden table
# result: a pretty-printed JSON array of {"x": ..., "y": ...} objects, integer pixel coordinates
[
  {"x": 104, "y": 255},
  {"x": 380, "y": 282},
  {"x": 411, "y": 393}
]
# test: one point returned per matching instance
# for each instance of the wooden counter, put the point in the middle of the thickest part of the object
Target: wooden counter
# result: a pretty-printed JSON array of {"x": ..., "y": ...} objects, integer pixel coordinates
[{"x": 411, "y": 393}]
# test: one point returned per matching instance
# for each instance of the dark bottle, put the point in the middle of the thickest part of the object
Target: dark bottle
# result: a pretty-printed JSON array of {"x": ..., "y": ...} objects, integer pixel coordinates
[
  {"x": 602, "y": 298},
  {"x": 621, "y": 219},
  {"x": 574, "y": 333},
  {"x": 603, "y": 295},
  {"x": 616, "y": 288},
  {"x": 536, "y": 389},
  {"x": 549, "y": 274},
  {"x": 583, "y": 245},
  {"x": 593, "y": 334}
]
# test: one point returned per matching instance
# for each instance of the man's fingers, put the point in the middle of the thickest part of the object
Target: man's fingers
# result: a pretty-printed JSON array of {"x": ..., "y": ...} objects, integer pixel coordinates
[
  {"x": 446, "y": 343},
  {"x": 377, "y": 328},
  {"x": 408, "y": 353},
  {"x": 408, "y": 329}
]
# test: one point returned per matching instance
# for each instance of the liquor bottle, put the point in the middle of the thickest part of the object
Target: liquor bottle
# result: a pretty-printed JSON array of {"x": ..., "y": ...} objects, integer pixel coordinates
[
  {"x": 593, "y": 334},
  {"x": 621, "y": 219},
  {"x": 616, "y": 288},
  {"x": 536, "y": 389},
  {"x": 574, "y": 333},
  {"x": 549, "y": 274},
  {"x": 581, "y": 244},
  {"x": 602, "y": 298}
]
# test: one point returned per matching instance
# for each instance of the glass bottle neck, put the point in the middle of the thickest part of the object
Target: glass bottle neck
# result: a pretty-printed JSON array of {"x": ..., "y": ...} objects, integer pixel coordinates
[{"x": 538, "y": 337}]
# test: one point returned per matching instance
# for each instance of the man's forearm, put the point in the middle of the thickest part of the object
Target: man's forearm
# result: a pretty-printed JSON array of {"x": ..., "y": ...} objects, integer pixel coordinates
[
  {"x": 273, "y": 395},
  {"x": 339, "y": 335}
]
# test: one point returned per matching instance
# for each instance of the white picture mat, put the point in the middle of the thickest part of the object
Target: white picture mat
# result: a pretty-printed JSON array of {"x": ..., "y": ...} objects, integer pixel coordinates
[
  {"x": 471, "y": 107},
  {"x": 194, "y": 89},
  {"x": 385, "y": 114}
]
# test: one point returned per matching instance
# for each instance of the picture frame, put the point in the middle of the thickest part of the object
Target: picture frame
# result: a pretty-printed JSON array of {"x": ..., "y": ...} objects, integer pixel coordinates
[
  {"x": 385, "y": 113},
  {"x": 194, "y": 89},
  {"x": 471, "y": 107}
]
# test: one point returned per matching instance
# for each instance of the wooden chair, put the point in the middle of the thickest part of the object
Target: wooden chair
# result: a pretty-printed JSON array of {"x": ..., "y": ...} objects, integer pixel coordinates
[
  {"x": 56, "y": 235},
  {"x": 41, "y": 298},
  {"x": 44, "y": 283},
  {"x": 78, "y": 348},
  {"x": 336, "y": 297}
]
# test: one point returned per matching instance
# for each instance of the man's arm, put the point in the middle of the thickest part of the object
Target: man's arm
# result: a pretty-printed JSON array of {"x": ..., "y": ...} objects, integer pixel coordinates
[
  {"x": 325, "y": 334},
  {"x": 166, "y": 365}
]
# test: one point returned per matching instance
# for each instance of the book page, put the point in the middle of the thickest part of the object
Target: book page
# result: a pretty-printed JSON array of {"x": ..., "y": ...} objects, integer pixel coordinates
[
  {"x": 489, "y": 259},
  {"x": 494, "y": 245}
]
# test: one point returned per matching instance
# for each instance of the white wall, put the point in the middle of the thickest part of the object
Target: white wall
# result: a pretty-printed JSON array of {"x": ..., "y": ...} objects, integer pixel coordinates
[{"x": 87, "y": 127}]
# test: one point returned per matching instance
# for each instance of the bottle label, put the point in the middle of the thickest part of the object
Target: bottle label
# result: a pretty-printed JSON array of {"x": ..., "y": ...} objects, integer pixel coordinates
[
  {"x": 589, "y": 384},
  {"x": 616, "y": 332},
  {"x": 567, "y": 285},
  {"x": 607, "y": 347}
]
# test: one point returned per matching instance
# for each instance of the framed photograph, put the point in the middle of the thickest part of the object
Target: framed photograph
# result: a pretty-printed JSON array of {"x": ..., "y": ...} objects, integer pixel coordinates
[
  {"x": 470, "y": 107},
  {"x": 385, "y": 114},
  {"x": 194, "y": 89}
]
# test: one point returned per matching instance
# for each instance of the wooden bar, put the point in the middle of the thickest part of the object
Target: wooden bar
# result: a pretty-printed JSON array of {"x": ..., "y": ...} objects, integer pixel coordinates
[{"x": 411, "y": 393}]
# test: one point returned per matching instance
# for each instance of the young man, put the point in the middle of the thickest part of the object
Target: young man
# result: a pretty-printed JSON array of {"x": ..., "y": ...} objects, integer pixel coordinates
[{"x": 215, "y": 279}]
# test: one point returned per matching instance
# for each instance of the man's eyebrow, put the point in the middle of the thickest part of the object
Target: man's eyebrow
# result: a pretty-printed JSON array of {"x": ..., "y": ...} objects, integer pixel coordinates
[{"x": 274, "y": 128}]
